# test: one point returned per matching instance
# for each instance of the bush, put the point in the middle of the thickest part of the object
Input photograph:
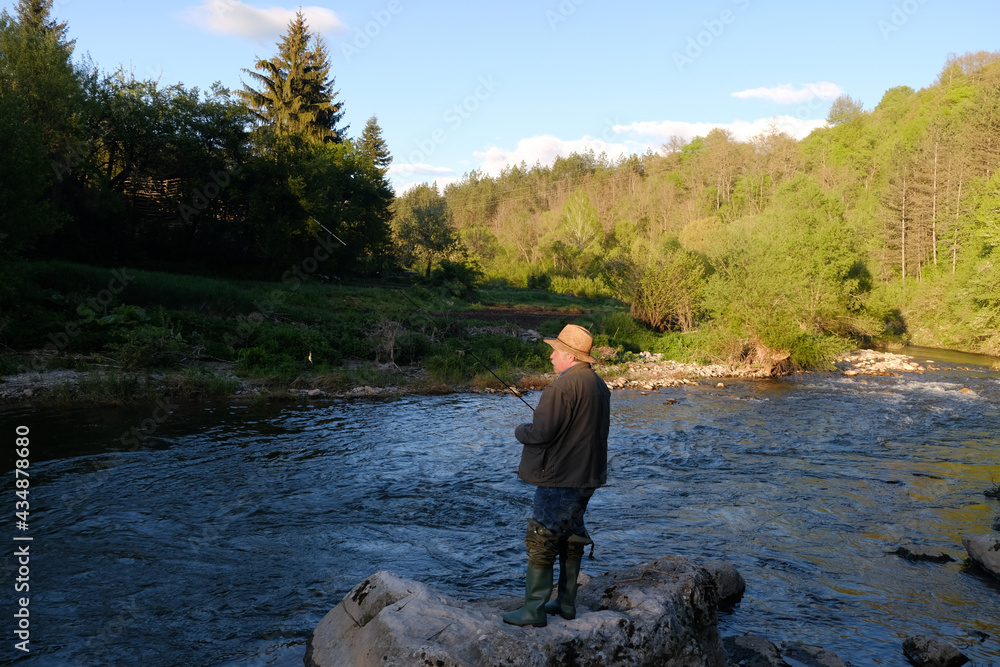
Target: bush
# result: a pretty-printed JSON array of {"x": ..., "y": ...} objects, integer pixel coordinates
[
  {"x": 148, "y": 346},
  {"x": 9, "y": 366},
  {"x": 460, "y": 279},
  {"x": 411, "y": 347},
  {"x": 542, "y": 281},
  {"x": 579, "y": 286}
]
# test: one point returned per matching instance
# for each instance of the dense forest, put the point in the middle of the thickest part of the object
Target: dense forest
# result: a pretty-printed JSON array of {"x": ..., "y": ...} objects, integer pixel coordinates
[
  {"x": 882, "y": 227},
  {"x": 109, "y": 169}
]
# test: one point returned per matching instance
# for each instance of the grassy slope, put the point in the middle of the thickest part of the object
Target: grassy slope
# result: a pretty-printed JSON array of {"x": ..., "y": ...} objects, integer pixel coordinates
[{"x": 196, "y": 335}]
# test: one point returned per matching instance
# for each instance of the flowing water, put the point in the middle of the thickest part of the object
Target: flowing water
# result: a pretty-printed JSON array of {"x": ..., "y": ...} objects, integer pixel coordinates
[{"x": 233, "y": 529}]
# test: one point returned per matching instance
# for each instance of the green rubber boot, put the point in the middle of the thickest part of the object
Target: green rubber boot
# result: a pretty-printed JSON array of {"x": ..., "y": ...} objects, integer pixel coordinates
[
  {"x": 542, "y": 547},
  {"x": 537, "y": 589},
  {"x": 565, "y": 604},
  {"x": 569, "y": 574}
]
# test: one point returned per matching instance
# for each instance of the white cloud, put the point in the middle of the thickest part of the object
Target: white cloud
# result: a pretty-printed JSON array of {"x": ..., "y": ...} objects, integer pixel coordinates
[
  {"x": 419, "y": 169},
  {"x": 545, "y": 149},
  {"x": 232, "y": 17},
  {"x": 405, "y": 176},
  {"x": 788, "y": 94},
  {"x": 637, "y": 138},
  {"x": 634, "y": 138},
  {"x": 742, "y": 130}
]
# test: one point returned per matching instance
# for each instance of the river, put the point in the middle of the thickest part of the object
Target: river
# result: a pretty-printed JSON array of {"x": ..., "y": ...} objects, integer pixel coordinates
[{"x": 227, "y": 535}]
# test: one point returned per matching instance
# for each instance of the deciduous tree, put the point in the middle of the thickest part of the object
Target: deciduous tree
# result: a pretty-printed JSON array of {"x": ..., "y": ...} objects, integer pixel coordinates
[{"x": 423, "y": 228}]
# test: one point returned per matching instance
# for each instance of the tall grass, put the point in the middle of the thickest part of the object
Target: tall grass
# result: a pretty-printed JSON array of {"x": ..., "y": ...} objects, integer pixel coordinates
[{"x": 145, "y": 288}]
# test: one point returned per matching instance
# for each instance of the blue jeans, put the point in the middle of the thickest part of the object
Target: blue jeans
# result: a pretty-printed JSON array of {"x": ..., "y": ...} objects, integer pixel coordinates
[{"x": 561, "y": 510}]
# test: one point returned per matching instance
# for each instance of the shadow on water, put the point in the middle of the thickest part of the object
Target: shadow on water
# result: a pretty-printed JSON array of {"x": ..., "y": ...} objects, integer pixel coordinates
[{"x": 228, "y": 534}]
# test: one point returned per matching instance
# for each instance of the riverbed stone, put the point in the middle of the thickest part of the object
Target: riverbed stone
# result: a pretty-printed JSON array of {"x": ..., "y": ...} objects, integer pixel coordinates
[
  {"x": 811, "y": 656},
  {"x": 916, "y": 553},
  {"x": 752, "y": 650},
  {"x": 662, "y": 612},
  {"x": 984, "y": 550},
  {"x": 924, "y": 651}
]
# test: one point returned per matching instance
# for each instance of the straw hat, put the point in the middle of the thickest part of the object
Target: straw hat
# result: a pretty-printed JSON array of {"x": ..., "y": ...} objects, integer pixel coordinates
[{"x": 575, "y": 340}]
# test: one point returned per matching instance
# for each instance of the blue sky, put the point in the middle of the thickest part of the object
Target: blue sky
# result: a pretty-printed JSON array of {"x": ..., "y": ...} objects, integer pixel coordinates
[{"x": 459, "y": 86}]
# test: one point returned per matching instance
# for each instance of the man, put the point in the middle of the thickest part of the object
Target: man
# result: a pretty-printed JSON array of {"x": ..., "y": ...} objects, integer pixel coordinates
[{"x": 566, "y": 456}]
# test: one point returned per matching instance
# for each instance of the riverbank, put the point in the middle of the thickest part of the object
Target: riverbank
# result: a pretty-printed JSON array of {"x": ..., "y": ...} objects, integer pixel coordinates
[{"x": 105, "y": 384}]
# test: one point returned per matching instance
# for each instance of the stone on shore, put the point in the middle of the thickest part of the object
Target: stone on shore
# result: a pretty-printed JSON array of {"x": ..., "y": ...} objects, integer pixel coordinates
[
  {"x": 662, "y": 612},
  {"x": 925, "y": 651},
  {"x": 985, "y": 551}
]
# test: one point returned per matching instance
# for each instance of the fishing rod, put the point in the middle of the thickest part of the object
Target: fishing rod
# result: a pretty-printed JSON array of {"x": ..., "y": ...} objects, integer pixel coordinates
[{"x": 472, "y": 354}]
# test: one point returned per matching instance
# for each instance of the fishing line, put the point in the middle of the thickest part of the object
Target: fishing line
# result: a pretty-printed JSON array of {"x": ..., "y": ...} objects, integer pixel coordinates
[{"x": 472, "y": 354}]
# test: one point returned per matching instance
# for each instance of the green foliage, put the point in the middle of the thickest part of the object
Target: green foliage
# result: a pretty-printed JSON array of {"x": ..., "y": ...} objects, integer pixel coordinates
[
  {"x": 295, "y": 95},
  {"x": 460, "y": 279},
  {"x": 455, "y": 361},
  {"x": 662, "y": 289},
  {"x": 42, "y": 98},
  {"x": 575, "y": 243},
  {"x": 843, "y": 110},
  {"x": 882, "y": 225},
  {"x": 790, "y": 277},
  {"x": 201, "y": 381},
  {"x": 9, "y": 366},
  {"x": 147, "y": 346},
  {"x": 542, "y": 281},
  {"x": 373, "y": 146},
  {"x": 579, "y": 286},
  {"x": 422, "y": 226}
]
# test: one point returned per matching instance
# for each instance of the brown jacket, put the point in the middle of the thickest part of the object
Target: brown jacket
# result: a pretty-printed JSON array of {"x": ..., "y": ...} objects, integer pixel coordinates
[{"x": 566, "y": 445}]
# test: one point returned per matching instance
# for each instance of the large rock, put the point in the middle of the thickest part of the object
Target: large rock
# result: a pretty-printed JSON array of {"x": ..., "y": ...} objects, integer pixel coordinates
[
  {"x": 985, "y": 550},
  {"x": 661, "y": 613},
  {"x": 751, "y": 650},
  {"x": 925, "y": 651},
  {"x": 729, "y": 582},
  {"x": 811, "y": 656}
]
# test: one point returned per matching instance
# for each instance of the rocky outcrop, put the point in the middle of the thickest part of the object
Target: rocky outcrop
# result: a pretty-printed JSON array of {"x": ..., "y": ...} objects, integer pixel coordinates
[
  {"x": 925, "y": 651},
  {"x": 659, "y": 613},
  {"x": 873, "y": 362},
  {"x": 984, "y": 550}
]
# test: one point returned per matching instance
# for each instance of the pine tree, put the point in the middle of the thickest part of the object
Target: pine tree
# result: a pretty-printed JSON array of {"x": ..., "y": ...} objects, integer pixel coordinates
[
  {"x": 35, "y": 17},
  {"x": 296, "y": 93},
  {"x": 373, "y": 146}
]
